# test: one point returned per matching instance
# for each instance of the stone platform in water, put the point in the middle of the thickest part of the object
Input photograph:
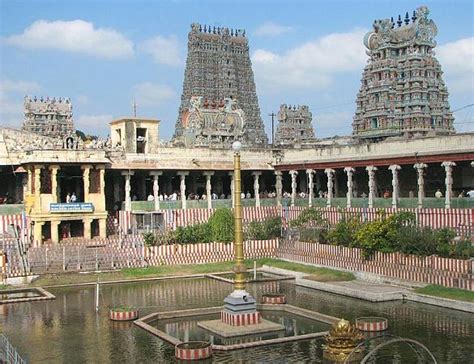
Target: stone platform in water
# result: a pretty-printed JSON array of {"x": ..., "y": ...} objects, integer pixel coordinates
[{"x": 225, "y": 330}]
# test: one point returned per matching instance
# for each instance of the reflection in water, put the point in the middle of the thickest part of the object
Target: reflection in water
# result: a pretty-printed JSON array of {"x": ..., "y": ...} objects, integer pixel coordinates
[{"x": 67, "y": 330}]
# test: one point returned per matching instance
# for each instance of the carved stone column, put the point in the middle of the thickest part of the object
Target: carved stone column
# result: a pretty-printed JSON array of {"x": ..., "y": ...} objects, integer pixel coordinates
[
  {"x": 86, "y": 182},
  {"x": 448, "y": 168},
  {"x": 208, "y": 188},
  {"x": 420, "y": 171},
  {"x": 350, "y": 172},
  {"x": 182, "y": 188},
  {"x": 395, "y": 187},
  {"x": 128, "y": 199},
  {"x": 103, "y": 228},
  {"x": 231, "y": 174},
  {"x": 37, "y": 182},
  {"x": 54, "y": 185},
  {"x": 278, "y": 187},
  {"x": 156, "y": 188},
  {"x": 310, "y": 173},
  {"x": 330, "y": 174},
  {"x": 38, "y": 232},
  {"x": 87, "y": 228},
  {"x": 256, "y": 187},
  {"x": 371, "y": 171},
  {"x": 293, "y": 175}
]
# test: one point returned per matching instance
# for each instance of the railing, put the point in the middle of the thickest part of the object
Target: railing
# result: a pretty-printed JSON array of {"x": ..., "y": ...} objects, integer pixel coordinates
[
  {"x": 10, "y": 209},
  {"x": 8, "y": 353},
  {"x": 404, "y": 202}
]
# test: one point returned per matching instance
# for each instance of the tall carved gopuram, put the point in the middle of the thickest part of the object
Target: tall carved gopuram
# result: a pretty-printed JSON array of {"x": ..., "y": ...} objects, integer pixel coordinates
[
  {"x": 218, "y": 67},
  {"x": 402, "y": 91},
  {"x": 294, "y": 125}
]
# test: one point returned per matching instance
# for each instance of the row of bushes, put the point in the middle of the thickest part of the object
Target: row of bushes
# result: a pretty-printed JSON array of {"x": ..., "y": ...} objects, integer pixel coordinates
[
  {"x": 387, "y": 234},
  {"x": 219, "y": 228}
]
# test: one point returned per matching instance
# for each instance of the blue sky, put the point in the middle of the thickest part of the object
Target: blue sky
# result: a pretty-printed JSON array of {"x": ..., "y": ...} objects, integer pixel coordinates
[{"x": 104, "y": 54}]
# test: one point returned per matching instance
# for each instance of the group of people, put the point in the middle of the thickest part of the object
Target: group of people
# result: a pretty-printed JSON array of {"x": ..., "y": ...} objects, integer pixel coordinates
[
  {"x": 71, "y": 198},
  {"x": 462, "y": 194}
]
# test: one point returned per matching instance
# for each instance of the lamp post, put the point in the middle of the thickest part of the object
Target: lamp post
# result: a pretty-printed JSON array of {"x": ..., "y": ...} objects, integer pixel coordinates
[
  {"x": 240, "y": 308},
  {"x": 239, "y": 268}
]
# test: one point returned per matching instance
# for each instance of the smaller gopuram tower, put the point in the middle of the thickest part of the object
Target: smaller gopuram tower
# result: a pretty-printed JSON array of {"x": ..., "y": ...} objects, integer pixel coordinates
[
  {"x": 48, "y": 117},
  {"x": 402, "y": 91},
  {"x": 294, "y": 125}
]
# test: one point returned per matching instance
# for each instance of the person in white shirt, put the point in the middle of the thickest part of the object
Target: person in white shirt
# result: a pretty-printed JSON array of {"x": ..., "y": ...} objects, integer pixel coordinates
[
  {"x": 150, "y": 197},
  {"x": 438, "y": 194},
  {"x": 248, "y": 195},
  {"x": 173, "y": 196},
  {"x": 470, "y": 193},
  {"x": 242, "y": 195},
  {"x": 73, "y": 197},
  {"x": 160, "y": 197},
  {"x": 68, "y": 198}
]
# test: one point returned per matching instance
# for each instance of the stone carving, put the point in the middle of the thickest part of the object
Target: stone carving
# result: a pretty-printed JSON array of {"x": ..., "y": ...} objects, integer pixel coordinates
[
  {"x": 218, "y": 68},
  {"x": 294, "y": 126},
  {"x": 48, "y": 117},
  {"x": 212, "y": 123},
  {"x": 402, "y": 90}
]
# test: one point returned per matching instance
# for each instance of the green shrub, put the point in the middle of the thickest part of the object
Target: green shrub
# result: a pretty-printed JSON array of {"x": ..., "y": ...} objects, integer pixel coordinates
[
  {"x": 263, "y": 230},
  {"x": 309, "y": 217},
  {"x": 344, "y": 231},
  {"x": 221, "y": 225},
  {"x": 314, "y": 235},
  {"x": 149, "y": 239}
]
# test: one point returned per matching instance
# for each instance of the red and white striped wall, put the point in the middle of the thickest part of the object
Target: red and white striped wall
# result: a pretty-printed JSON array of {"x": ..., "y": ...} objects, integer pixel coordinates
[
  {"x": 240, "y": 319},
  {"x": 185, "y": 350},
  {"x": 372, "y": 324},
  {"x": 123, "y": 315}
]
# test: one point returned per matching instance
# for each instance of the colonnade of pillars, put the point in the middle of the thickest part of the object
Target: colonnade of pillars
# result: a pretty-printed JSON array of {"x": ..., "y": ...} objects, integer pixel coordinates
[{"x": 331, "y": 187}]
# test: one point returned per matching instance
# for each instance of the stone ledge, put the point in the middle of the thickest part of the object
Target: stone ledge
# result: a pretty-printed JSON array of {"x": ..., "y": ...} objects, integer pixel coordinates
[{"x": 226, "y": 330}]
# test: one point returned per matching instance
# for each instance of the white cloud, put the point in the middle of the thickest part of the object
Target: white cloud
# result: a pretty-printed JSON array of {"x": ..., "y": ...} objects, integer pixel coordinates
[
  {"x": 150, "y": 94},
  {"x": 93, "y": 121},
  {"x": 76, "y": 36},
  {"x": 270, "y": 29},
  {"x": 311, "y": 65},
  {"x": 163, "y": 50},
  {"x": 457, "y": 61},
  {"x": 11, "y": 100}
]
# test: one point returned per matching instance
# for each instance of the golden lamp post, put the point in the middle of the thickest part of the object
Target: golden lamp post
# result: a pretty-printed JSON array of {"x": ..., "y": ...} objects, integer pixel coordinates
[
  {"x": 239, "y": 268},
  {"x": 239, "y": 304}
]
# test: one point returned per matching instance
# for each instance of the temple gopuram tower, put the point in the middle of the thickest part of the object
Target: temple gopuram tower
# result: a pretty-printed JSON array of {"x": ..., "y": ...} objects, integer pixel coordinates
[
  {"x": 294, "y": 126},
  {"x": 218, "y": 67},
  {"x": 402, "y": 90},
  {"x": 48, "y": 117}
]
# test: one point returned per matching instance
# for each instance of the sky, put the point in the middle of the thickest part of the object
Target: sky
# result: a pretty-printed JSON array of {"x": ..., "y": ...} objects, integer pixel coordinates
[{"x": 106, "y": 54}]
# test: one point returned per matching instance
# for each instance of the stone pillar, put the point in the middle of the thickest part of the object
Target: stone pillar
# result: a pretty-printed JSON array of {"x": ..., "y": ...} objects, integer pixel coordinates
[
  {"x": 37, "y": 232},
  {"x": 182, "y": 188},
  {"x": 85, "y": 179},
  {"x": 54, "y": 186},
  {"x": 55, "y": 232},
  {"x": 231, "y": 174},
  {"x": 293, "y": 175},
  {"x": 336, "y": 184},
  {"x": 278, "y": 187},
  {"x": 102, "y": 228},
  {"x": 37, "y": 179},
  {"x": 350, "y": 172},
  {"x": 448, "y": 168},
  {"x": 330, "y": 173},
  {"x": 256, "y": 188},
  {"x": 87, "y": 228},
  {"x": 420, "y": 171},
  {"x": 102, "y": 180},
  {"x": 128, "y": 200},
  {"x": 371, "y": 171},
  {"x": 310, "y": 173},
  {"x": 208, "y": 188},
  {"x": 156, "y": 188},
  {"x": 395, "y": 187}
]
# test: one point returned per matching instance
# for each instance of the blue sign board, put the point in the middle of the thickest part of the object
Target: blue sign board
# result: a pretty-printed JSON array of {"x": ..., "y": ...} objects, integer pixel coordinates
[{"x": 71, "y": 207}]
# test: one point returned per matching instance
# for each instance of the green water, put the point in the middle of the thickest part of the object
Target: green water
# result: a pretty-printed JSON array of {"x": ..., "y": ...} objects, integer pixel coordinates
[{"x": 67, "y": 329}]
